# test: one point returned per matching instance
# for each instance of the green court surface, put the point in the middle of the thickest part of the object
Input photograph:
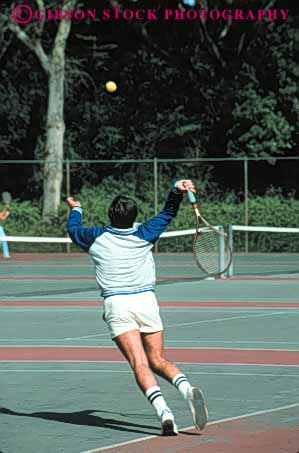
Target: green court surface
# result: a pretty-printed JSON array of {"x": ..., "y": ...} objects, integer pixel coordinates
[
  {"x": 184, "y": 327},
  {"x": 168, "y": 265},
  {"x": 79, "y": 407},
  {"x": 64, "y": 389}
]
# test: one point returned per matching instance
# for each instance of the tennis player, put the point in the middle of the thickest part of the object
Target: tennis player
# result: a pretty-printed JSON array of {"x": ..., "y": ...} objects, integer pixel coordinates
[
  {"x": 3, "y": 215},
  {"x": 125, "y": 273}
]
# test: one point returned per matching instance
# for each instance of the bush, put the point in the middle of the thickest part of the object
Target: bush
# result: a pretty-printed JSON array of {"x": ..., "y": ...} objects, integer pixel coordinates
[{"x": 271, "y": 210}]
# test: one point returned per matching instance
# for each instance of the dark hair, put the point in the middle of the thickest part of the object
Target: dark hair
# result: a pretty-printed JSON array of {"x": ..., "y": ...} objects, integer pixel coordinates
[{"x": 122, "y": 212}]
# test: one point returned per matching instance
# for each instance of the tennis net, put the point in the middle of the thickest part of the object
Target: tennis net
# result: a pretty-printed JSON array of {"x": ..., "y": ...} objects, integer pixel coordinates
[
  {"x": 264, "y": 251},
  {"x": 41, "y": 266},
  {"x": 170, "y": 242},
  {"x": 271, "y": 251}
]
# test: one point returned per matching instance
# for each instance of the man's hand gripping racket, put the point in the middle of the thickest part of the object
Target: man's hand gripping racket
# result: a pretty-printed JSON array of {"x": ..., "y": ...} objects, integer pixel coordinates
[{"x": 210, "y": 247}]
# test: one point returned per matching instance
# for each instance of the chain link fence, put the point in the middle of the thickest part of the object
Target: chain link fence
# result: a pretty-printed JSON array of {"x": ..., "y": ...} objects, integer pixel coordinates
[
  {"x": 239, "y": 181},
  {"x": 214, "y": 176}
]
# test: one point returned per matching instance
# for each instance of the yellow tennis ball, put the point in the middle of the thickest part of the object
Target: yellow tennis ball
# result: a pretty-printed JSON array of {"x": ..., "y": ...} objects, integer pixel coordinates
[{"x": 111, "y": 87}]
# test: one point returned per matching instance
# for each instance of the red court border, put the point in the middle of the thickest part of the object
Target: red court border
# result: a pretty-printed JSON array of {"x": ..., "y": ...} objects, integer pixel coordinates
[
  {"x": 181, "y": 355},
  {"x": 252, "y": 433}
]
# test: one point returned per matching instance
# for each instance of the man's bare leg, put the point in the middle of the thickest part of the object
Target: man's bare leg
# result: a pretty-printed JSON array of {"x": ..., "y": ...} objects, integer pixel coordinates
[
  {"x": 130, "y": 344},
  {"x": 154, "y": 349},
  {"x": 153, "y": 344}
]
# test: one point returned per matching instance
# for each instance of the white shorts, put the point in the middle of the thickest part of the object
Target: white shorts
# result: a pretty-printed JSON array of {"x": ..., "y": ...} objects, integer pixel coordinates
[{"x": 132, "y": 311}]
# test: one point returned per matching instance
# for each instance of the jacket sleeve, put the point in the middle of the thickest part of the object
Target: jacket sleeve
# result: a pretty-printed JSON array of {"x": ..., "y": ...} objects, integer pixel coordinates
[
  {"x": 153, "y": 228},
  {"x": 82, "y": 236}
]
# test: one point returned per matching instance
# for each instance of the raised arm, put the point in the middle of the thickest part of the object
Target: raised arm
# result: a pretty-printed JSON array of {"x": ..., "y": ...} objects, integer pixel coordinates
[
  {"x": 153, "y": 228},
  {"x": 82, "y": 236}
]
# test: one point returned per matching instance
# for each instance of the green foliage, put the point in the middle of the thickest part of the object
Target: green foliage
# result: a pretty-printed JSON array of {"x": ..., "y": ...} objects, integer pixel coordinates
[
  {"x": 271, "y": 210},
  {"x": 284, "y": 48},
  {"x": 265, "y": 107},
  {"x": 274, "y": 211},
  {"x": 18, "y": 104},
  {"x": 26, "y": 220},
  {"x": 184, "y": 90},
  {"x": 259, "y": 129}
]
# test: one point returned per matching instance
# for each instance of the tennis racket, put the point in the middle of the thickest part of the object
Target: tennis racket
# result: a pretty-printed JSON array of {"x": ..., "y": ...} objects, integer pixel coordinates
[
  {"x": 210, "y": 247},
  {"x": 6, "y": 198}
]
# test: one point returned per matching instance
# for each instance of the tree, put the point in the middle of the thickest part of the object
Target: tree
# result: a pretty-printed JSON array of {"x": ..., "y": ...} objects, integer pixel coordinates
[
  {"x": 265, "y": 110},
  {"x": 259, "y": 128},
  {"x": 185, "y": 89},
  {"x": 53, "y": 65}
]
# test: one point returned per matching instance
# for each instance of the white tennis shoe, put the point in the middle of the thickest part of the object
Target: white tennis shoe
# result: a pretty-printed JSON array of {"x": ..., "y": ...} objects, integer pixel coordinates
[
  {"x": 168, "y": 426},
  {"x": 198, "y": 408}
]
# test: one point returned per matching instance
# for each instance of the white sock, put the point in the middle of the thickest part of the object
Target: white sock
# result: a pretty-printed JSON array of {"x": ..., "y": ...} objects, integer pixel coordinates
[
  {"x": 182, "y": 384},
  {"x": 156, "y": 399}
]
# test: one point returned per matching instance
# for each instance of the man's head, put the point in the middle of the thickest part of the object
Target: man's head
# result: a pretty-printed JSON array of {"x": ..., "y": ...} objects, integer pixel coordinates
[{"x": 122, "y": 212}]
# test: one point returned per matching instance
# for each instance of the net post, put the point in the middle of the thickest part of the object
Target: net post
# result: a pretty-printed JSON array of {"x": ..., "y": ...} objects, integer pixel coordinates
[
  {"x": 230, "y": 241},
  {"x": 221, "y": 264}
]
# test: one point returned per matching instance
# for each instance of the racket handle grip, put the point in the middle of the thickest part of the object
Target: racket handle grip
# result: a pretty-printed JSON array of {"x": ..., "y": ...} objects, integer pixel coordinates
[{"x": 191, "y": 197}]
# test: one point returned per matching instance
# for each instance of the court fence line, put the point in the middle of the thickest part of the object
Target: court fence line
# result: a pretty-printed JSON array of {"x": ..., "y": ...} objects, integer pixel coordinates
[{"x": 155, "y": 163}]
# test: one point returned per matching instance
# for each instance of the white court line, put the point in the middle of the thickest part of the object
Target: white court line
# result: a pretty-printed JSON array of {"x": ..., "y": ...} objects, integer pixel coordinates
[
  {"x": 52, "y": 310},
  {"x": 202, "y": 373},
  {"x": 168, "y": 343},
  {"x": 215, "y": 422},
  {"x": 178, "y": 362},
  {"x": 179, "y": 306},
  {"x": 236, "y": 309},
  {"x": 85, "y": 337},
  {"x": 205, "y": 321},
  {"x": 233, "y": 341}
]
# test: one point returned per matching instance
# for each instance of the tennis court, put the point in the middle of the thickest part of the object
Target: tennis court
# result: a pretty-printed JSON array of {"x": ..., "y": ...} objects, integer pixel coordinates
[{"x": 66, "y": 388}]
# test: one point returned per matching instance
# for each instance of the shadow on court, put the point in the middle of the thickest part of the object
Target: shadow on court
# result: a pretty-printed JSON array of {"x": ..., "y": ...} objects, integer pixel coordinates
[
  {"x": 85, "y": 418},
  {"x": 50, "y": 292},
  {"x": 87, "y": 289}
]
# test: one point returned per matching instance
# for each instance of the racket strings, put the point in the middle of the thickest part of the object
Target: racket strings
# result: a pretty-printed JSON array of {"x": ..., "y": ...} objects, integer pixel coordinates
[{"x": 207, "y": 251}]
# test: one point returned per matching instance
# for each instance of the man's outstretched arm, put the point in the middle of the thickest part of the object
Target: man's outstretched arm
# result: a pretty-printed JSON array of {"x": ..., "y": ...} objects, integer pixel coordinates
[
  {"x": 80, "y": 235},
  {"x": 153, "y": 228}
]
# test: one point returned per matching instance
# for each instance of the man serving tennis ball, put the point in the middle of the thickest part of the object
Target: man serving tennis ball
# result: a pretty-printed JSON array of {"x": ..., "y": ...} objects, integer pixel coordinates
[{"x": 125, "y": 273}]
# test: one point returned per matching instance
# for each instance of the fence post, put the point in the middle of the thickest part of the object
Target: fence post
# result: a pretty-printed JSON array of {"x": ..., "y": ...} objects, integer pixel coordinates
[
  {"x": 246, "y": 201},
  {"x": 156, "y": 194},
  {"x": 68, "y": 192}
]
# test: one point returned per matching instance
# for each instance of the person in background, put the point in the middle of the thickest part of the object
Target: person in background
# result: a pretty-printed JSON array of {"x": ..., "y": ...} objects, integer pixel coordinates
[{"x": 3, "y": 215}]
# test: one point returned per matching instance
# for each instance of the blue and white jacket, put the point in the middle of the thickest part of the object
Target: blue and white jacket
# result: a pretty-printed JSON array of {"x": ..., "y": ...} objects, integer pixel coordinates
[{"x": 123, "y": 259}]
